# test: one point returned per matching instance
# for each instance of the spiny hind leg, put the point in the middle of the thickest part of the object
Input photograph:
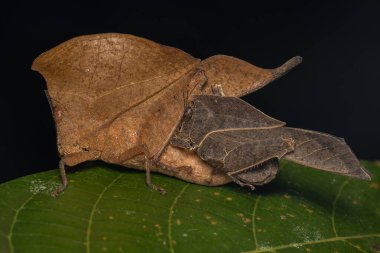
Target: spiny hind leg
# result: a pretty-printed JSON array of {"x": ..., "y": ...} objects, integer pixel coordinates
[{"x": 72, "y": 160}]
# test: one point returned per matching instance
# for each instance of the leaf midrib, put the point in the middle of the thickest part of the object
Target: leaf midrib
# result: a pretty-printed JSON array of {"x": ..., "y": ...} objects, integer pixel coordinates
[
  {"x": 15, "y": 218},
  {"x": 171, "y": 212},
  {"x": 88, "y": 233}
]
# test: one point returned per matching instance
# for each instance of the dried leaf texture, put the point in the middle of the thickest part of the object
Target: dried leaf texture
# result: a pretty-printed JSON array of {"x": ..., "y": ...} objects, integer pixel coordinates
[
  {"x": 214, "y": 113},
  {"x": 116, "y": 97},
  {"x": 237, "y": 139},
  {"x": 236, "y": 151},
  {"x": 239, "y": 150},
  {"x": 94, "y": 79},
  {"x": 238, "y": 77},
  {"x": 325, "y": 152}
]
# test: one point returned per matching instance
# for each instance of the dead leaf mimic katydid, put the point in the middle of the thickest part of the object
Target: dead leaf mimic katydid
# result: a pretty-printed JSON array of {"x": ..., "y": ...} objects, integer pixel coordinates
[{"x": 120, "y": 98}]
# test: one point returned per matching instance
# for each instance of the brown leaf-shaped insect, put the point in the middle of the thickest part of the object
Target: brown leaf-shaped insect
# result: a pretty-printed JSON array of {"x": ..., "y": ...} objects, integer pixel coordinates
[
  {"x": 119, "y": 98},
  {"x": 240, "y": 141}
]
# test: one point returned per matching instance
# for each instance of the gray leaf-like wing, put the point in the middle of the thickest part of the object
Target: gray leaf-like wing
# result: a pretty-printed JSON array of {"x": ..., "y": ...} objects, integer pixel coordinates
[
  {"x": 214, "y": 113},
  {"x": 325, "y": 152},
  {"x": 239, "y": 150}
]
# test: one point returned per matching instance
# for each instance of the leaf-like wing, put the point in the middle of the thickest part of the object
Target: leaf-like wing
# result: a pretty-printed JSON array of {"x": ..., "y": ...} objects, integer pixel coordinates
[
  {"x": 325, "y": 152},
  {"x": 238, "y": 77},
  {"x": 239, "y": 150},
  {"x": 214, "y": 113},
  {"x": 92, "y": 79}
]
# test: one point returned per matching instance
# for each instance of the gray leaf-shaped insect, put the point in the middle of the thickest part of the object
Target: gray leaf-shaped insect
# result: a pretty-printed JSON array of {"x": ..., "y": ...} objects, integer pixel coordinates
[{"x": 237, "y": 139}]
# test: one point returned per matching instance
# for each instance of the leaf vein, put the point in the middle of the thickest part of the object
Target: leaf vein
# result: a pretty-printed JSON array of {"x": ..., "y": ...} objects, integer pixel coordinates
[
  {"x": 326, "y": 240},
  {"x": 356, "y": 247},
  {"x": 339, "y": 193},
  {"x": 15, "y": 218},
  {"x": 171, "y": 212},
  {"x": 88, "y": 234},
  {"x": 253, "y": 221}
]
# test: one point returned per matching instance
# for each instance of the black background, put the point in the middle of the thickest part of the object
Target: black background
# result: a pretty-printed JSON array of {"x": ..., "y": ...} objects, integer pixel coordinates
[{"x": 335, "y": 90}]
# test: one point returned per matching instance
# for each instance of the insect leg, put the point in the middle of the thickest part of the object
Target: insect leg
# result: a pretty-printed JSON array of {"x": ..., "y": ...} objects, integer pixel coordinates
[
  {"x": 138, "y": 150},
  {"x": 64, "y": 184},
  {"x": 241, "y": 182},
  {"x": 72, "y": 160}
]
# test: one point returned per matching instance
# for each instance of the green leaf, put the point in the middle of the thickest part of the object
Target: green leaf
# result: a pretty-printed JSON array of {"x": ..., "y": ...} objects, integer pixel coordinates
[{"x": 109, "y": 210}]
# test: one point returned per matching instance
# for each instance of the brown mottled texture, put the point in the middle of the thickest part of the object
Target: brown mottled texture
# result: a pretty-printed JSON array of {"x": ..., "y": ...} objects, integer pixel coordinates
[
  {"x": 119, "y": 98},
  {"x": 239, "y": 78}
]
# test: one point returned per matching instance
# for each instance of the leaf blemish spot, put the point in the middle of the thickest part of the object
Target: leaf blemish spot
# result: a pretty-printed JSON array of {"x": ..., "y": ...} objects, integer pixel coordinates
[
  {"x": 178, "y": 221},
  {"x": 129, "y": 212},
  {"x": 110, "y": 217},
  {"x": 290, "y": 215},
  {"x": 216, "y": 193},
  {"x": 228, "y": 198},
  {"x": 37, "y": 186}
]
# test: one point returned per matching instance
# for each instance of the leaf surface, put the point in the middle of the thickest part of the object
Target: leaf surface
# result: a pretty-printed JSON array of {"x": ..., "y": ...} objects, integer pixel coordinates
[{"x": 111, "y": 210}]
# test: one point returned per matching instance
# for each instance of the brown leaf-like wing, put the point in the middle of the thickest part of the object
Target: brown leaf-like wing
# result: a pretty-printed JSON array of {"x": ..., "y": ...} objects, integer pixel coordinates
[
  {"x": 325, "y": 152},
  {"x": 92, "y": 79},
  {"x": 214, "y": 113},
  {"x": 238, "y": 77}
]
